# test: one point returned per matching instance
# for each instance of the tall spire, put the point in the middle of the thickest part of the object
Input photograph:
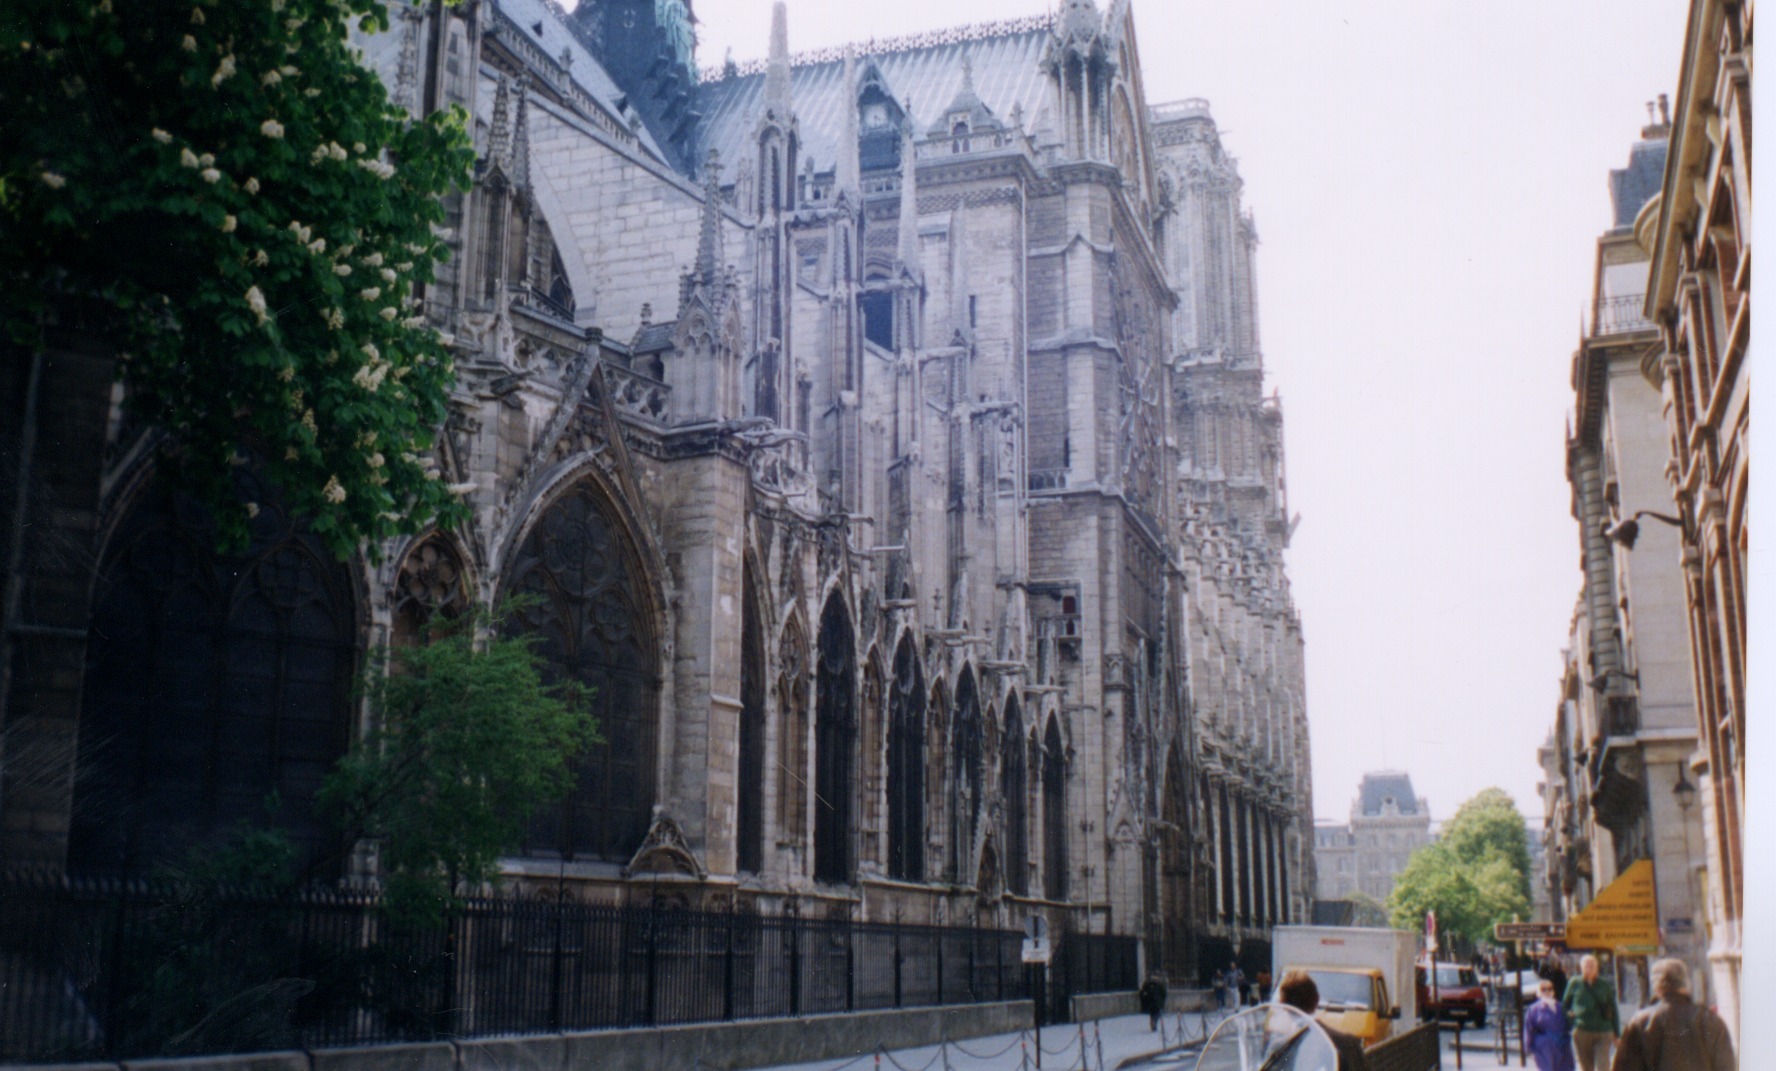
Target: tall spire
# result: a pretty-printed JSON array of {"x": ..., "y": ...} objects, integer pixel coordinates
[
  {"x": 849, "y": 177},
  {"x": 777, "y": 67},
  {"x": 709, "y": 240},
  {"x": 521, "y": 133},
  {"x": 909, "y": 199}
]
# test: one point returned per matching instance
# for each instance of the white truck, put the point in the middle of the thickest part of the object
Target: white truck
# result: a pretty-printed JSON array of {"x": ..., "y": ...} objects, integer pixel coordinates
[{"x": 1365, "y": 976}]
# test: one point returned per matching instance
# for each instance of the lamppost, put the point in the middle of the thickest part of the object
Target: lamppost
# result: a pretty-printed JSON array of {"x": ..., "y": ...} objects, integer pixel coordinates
[
  {"x": 1627, "y": 531},
  {"x": 1686, "y": 798}
]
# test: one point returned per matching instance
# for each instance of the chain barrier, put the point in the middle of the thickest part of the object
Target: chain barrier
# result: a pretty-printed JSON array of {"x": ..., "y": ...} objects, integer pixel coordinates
[{"x": 989, "y": 1056}]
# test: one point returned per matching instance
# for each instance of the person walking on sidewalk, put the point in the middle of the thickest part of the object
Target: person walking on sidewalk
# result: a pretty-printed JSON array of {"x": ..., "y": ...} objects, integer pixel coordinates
[
  {"x": 1298, "y": 990},
  {"x": 1153, "y": 1000},
  {"x": 1590, "y": 1004},
  {"x": 1546, "y": 1033},
  {"x": 1676, "y": 1034}
]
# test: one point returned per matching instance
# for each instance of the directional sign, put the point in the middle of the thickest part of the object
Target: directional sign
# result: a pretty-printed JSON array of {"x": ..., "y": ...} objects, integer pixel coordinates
[
  {"x": 1036, "y": 950},
  {"x": 1528, "y": 931}
]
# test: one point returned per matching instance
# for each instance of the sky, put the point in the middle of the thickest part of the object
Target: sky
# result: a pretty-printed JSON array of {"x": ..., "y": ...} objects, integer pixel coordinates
[{"x": 1429, "y": 182}]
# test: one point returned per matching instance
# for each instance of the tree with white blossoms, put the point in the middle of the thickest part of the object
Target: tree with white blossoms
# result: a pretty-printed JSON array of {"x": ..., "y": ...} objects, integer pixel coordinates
[{"x": 236, "y": 202}]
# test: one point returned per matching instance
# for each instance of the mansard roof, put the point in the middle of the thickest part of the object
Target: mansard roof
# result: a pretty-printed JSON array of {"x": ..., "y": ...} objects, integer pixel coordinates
[
  {"x": 1008, "y": 75},
  {"x": 1384, "y": 786},
  {"x": 546, "y": 25}
]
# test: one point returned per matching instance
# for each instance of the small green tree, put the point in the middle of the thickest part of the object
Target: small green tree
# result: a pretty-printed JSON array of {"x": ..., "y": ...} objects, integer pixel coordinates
[
  {"x": 1473, "y": 876},
  {"x": 468, "y": 741},
  {"x": 230, "y": 197}
]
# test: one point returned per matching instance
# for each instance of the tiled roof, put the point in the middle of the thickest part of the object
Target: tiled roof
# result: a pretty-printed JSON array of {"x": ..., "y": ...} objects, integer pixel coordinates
[
  {"x": 1007, "y": 74},
  {"x": 653, "y": 338},
  {"x": 545, "y": 24},
  {"x": 1633, "y": 186}
]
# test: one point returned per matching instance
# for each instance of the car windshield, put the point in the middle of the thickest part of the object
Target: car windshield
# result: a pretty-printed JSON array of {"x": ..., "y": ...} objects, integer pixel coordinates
[
  {"x": 1455, "y": 977},
  {"x": 1346, "y": 990}
]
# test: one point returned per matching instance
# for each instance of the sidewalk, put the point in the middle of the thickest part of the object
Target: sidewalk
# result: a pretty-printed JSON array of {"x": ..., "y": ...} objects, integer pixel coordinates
[{"x": 1109, "y": 1043}]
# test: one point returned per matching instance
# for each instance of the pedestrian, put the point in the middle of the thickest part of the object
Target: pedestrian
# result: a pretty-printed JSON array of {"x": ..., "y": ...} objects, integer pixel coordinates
[
  {"x": 1220, "y": 989},
  {"x": 1263, "y": 984},
  {"x": 1547, "y": 1035},
  {"x": 1590, "y": 1004},
  {"x": 1554, "y": 972},
  {"x": 1297, "y": 990},
  {"x": 1236, "y": 981},
  {"x": 1675, "y": 1034},
  {"x": 1153, "y": 1000}
]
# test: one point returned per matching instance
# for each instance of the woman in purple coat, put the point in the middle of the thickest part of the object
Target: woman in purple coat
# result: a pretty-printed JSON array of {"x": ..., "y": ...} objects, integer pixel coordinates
[{"x": 1546, "y": 1033}]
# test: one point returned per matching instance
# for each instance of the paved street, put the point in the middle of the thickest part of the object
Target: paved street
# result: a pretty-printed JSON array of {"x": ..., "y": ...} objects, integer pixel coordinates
[{"x": 1109, "y": 1044}]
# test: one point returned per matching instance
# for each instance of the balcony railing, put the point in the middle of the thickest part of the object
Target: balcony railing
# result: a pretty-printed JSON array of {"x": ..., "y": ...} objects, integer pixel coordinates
[{"x": 1621, "y": 314}]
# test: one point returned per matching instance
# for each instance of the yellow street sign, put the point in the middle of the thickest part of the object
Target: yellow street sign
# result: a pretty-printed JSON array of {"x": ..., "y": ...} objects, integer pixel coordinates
[{"x": 1622, "y": 918}]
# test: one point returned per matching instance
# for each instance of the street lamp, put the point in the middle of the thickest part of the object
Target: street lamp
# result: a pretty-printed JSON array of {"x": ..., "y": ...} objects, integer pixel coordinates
[
  {"x": 1684, "y": 791},
  {"x": 1627, "y": 531}
]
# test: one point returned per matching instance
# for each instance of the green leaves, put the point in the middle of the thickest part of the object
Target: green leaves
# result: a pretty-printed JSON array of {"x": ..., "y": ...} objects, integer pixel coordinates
[
  {"x": 229, "y": 183},
  {"x": 468, "y": 742},
  {"x": 1474, "y": 875}
]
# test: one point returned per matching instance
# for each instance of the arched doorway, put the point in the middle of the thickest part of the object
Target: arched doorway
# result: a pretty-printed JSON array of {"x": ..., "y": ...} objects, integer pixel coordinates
[
  {"x": 580, "y": 575},
  {"x": 217, "y": 686}
]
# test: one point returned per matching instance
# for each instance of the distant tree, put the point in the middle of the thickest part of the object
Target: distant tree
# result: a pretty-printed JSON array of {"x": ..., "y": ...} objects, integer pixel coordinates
[
  {"x": 224, "y": 193},
  {"x": 1476, "y": 873},
  {"x": 468, "y": 741}
]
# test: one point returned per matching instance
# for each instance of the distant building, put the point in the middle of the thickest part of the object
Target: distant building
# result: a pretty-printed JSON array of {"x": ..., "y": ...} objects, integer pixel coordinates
[{"x": 1388, "y": 823}]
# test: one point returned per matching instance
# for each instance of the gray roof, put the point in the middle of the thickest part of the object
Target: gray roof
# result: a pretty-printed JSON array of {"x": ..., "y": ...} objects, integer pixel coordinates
[
  {"x": 928, "y": 69},
  {"x": 1378, "y": 787},
  {"x": 545, "y": 24},
  {"x": 1633, "y": 186}
]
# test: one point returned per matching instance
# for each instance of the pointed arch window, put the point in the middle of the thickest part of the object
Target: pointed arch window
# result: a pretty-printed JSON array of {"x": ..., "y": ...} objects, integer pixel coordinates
[
  {"x": 792, "y": 738},
  {"x": 749, "y": 781},
  {"x": 1174, "y": 862},
  {"x": 1015, "y": 785},
  {"x": 580, "y": 572},
  {"x": 967, "y": 771},
  {"x": 906, "y": 766},
  {"x": 213, "y": 681},
  {"x": 1054, "y": 813},
  {"x": 835, "y": 743}
]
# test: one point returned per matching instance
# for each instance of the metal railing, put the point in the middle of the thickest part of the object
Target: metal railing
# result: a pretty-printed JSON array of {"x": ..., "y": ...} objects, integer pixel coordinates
[
  {"x": 117, "y": 970},
  {"x": 1418, "y": 1049},
  {"x": 1621, "y": 315}
]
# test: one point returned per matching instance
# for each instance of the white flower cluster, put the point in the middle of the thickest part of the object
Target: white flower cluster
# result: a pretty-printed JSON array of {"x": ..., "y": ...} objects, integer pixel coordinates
[
  {"x": 256, "y": 302},
  {"x": 224, "y": 71},
  {"x": 333, "y": 492},
  {"x": 331, "y": 150},
  {"x": 378, "y": 168},
  {"x": 271, "y": 128}
]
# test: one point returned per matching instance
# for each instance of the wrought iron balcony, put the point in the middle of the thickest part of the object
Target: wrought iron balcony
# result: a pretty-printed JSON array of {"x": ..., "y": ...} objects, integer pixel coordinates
[{"x": 1621, "y": 315}]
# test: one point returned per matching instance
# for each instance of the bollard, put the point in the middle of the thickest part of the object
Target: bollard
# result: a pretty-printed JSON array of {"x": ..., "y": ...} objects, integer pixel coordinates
[
  {"x": 1084, "y": 1053},
  {"x": 1023, "y": 1052},
  {"x": 1098, "y": 1036}
]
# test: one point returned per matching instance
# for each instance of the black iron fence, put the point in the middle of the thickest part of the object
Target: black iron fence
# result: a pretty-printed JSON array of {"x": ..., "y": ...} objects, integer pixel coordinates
[{"x": 131, "y": 970}]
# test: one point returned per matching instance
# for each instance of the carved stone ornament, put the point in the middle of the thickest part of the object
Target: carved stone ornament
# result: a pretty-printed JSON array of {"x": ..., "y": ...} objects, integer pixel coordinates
[{"x": 665, "y": 851}]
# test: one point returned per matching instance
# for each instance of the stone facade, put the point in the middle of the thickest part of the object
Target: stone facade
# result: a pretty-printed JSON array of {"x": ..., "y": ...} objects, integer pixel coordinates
[
  {"x": 1615, "y": 770},
  {"x": 1387, "y": 824},
  {"x": 1697, "y": 234},
  {"x": 883, "y": 435}
]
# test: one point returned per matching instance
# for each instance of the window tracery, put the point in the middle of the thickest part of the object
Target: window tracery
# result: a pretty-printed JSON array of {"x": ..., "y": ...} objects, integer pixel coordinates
[
  {"x": 906, "y": 766},
  {"x": 215, "y": 683},
  {"x": 835, "y": 730},
  {"x": 585, "y": 609}
]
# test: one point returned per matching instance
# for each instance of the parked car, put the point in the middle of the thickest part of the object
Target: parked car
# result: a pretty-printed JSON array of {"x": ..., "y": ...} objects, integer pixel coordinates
[{"x": 1457, "y": 995}]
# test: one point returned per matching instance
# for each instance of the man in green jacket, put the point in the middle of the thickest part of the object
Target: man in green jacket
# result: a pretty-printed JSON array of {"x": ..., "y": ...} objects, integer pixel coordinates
[{"x": 1591, "y": 1007}]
